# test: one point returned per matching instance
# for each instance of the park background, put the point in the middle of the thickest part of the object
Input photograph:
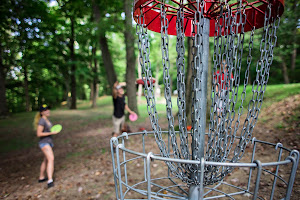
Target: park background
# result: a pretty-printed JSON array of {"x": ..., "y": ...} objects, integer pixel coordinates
[{"x": 68, "y": 54}]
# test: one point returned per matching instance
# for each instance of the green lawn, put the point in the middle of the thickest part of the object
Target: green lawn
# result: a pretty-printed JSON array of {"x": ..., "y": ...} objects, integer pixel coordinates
[
  {"x": 16, "y": 132},
  {"x": 273, "y": 93}
]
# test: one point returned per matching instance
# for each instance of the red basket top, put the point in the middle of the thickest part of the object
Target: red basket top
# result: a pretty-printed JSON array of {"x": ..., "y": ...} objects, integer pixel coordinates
[{"x": 255, "y": 12}]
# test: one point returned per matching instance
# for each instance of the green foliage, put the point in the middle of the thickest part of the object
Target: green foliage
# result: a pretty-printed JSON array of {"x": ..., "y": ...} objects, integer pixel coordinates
[
  {"x": 35, "y": 38},
  {"x": 288, "y": 40}
]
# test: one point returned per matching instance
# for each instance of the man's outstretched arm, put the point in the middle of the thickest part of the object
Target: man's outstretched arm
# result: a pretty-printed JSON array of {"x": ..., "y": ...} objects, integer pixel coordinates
[
  {"x": 114, "y": 90},
  {"x": 128, "y": 109}
]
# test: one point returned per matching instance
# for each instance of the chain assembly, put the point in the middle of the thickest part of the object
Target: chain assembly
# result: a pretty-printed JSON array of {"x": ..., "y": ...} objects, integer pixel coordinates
[
  {"x": 180, "y": 63},
  {"x": 228, "y": 134}
]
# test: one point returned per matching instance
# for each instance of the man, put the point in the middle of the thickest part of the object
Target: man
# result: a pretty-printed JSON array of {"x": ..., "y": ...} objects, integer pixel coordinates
[{"x": 120, "y": 106}]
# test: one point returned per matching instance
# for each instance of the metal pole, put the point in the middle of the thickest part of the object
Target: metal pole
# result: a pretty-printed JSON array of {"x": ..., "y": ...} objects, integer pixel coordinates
[
  {"x": 112, "y": 140},
  {"x": 203, "y": 101},
  {"x": 149, "y": 175},
  {"x": 196, "y": 190}
]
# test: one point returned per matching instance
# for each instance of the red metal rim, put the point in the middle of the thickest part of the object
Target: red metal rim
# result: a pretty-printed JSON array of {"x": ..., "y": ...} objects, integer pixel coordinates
[{"x": 254, "y": 11}]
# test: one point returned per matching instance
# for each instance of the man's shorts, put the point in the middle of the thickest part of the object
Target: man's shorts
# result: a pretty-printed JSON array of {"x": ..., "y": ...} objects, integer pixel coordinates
[{"x": 118, "y": 123}]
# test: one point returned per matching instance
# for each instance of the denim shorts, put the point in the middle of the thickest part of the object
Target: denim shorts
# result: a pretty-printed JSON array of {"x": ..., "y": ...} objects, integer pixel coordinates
[{"x": 44, "y": 144}]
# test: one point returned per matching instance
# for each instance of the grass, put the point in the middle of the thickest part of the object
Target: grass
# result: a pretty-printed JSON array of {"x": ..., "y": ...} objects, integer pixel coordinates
[
  {"x": 12, "y": 144},
  {"x": 295, "y": 118},
  {"x": 276, "y": 93},
  {"x": 16, "y": 132},
  {"x": 79, "y": 154},
  {"x": 273, "y": 94}
]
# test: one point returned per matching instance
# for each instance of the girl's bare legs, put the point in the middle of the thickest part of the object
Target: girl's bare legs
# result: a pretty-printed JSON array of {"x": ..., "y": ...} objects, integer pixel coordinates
[
  {"x": 48, "y": 152},
  {"x": 43, "y": 169}
]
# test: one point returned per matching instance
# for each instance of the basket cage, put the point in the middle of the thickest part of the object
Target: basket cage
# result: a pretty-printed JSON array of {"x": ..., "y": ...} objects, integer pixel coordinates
[{"x": 202, "y": 158}]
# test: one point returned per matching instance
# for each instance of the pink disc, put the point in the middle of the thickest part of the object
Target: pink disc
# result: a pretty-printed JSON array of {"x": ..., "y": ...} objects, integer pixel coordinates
[{"x": 133, "y": 117}]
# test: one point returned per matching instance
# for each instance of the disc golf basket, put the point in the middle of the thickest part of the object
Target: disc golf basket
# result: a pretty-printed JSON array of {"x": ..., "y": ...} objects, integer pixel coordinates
[{"x": 198, "y": 162}]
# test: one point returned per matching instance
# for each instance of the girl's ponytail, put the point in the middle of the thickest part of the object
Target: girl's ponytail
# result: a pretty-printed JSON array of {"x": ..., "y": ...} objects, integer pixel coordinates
[{"x": 36, "y": 120}]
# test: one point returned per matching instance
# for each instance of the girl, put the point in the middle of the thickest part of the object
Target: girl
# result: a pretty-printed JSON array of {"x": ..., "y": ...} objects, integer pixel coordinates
[{"x": 43, "y": 131}]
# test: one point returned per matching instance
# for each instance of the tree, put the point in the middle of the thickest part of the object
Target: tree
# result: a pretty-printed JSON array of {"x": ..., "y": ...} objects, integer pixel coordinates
[
  {"x": 3, "y": 69},
  {"x": 73, "y": 11},
  {"x": 288, "y": 39},
  {"x": 20, "y": 28},
  {"x": 94, "y": 66},
  {"x": 130, "y": 58},
  {"x": 188, "y": 82},
  {"x": 7, "y": 25},
  {"x": 73, "y": 65},
  {"x": 106, "y": 56}
]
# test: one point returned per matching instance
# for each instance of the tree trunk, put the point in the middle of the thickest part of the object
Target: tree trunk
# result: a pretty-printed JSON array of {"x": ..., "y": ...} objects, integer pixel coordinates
[
  {"x": 293, "y": 60},
  {"x": 92, "y": 92},
  {"x": 107, "y": 60},
  {"x": 26, "y": 89},
  {"x": 92, "y": 83},
  {"x": 249, "y": 77},
  {"x": 188, "y": 82},
  {"x": 67, "y": 95},
  {"x": 293, "y": 65},
  {"x": 130, "y": 58},
  {"x": 73, "y": 66},
  {"x": 64, "y": 70},
  {"x": 95, "y": 78},
  {"x": 285, "y": 72},
  {"x": 156, "y": 85},
  {"x": 3, "y": 104},
  {"x": 171, "y": 85},
  {"x": 140, "y": 87},
  {"x": 294, "y": 40}
]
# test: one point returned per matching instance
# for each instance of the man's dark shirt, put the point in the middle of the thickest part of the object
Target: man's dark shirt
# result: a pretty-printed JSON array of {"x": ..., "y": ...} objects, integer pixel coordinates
[{"x": 119, "y": 106}]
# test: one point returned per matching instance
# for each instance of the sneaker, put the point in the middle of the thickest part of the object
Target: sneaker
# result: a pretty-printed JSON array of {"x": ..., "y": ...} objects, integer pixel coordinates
[
  {"x": 51, "y": 184},
  {"x": 43, "y": 180}
]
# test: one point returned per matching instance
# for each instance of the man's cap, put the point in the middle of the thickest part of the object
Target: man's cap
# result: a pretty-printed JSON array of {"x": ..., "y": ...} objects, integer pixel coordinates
[
  {"x": 44, "y": 107},
  {"x": 118, "y": 87}
]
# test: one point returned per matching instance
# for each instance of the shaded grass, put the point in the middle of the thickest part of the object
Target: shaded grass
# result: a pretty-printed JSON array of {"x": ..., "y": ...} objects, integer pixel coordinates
[
  {"x": 80, "y": 153},
  {"x": 12, "y": 144}
]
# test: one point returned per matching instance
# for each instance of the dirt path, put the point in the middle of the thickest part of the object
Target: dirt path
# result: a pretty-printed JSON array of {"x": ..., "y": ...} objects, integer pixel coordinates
[{"x": 83, "y": 168}]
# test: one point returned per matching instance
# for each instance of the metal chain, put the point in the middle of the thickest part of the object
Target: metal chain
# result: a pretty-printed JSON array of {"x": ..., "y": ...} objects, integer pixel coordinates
[
  {"x": 225, "y": 130},
  {"x": 168, "y": 90},
  {"x": 197, "y": 68},
  {"x": 180, "y": 63},
  {"x": 144, "y": 53},
  {"x": 225, "y": 51},
  {"x": 227, "y": 68},
  {"x": 267, "y": 45},
  {"x": 223, "y": 126}
]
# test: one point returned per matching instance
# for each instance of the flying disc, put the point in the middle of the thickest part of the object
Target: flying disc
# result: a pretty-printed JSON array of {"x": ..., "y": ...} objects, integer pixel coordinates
[
  {"x": 133, "y": 117},
  {"x": 141, "y": 81},
  {"x": 56, "y": 128}
]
